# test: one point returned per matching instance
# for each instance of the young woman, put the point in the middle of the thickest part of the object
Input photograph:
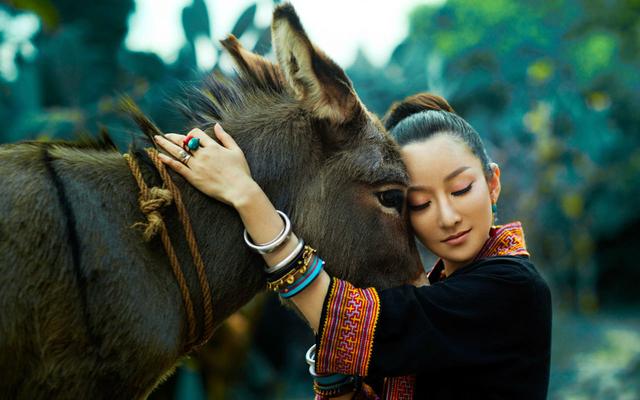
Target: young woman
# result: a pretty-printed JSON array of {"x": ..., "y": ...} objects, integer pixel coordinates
[{"x": 480, "y": 329}]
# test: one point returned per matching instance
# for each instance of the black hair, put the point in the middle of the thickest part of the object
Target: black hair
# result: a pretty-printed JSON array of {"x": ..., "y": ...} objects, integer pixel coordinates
[{"x": 424, "y": 115}]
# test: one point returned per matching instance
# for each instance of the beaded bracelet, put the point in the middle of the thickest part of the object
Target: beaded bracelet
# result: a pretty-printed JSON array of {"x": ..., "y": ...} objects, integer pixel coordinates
[
  {"x": 295, "y": 271},
  {"x": 305, "y": 280}
]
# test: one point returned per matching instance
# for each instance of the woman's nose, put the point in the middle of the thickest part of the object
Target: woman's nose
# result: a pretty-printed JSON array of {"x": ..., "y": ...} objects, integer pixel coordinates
[{"x": 449, "y": 217}]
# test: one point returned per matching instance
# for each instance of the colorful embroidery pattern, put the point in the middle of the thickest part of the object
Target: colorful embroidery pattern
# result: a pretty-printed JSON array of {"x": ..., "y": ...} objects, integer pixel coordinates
[
  {"x": 399, "y": 387},
  {"x": 347, "y": 336},
  {"x": 504, "y": 240}
]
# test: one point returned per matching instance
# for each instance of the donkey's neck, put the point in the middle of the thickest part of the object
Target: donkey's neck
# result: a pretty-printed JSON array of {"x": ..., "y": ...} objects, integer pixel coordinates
[{"x": 233, "y": 272}]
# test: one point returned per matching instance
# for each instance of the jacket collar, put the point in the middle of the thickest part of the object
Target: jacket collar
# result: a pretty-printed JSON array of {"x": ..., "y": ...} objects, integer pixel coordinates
[{"x": 504, "y": 240}]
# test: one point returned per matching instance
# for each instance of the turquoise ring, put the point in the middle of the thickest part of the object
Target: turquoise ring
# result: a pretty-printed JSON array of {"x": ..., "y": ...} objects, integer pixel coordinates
[{"x": 193, "y": 143}]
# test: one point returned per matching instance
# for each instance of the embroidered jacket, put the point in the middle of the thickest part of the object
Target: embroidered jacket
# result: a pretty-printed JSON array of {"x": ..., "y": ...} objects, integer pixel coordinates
[{"x": 483, "y": 332}]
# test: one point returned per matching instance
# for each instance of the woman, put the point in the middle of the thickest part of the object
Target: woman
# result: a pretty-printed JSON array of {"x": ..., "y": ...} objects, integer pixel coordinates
[{"x": 480, "y": 329}]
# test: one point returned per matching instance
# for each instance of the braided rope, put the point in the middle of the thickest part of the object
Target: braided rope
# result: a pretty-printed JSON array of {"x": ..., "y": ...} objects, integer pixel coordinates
[
  {"x": 150, "y": 200},
  {"x": 193, "y": 246}
]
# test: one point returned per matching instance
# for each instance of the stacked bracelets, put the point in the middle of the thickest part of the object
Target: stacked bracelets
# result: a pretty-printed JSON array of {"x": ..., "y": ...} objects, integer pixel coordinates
[
  {"x": 296, "y": 271},
  {"x": 289, "y": 277},
  {"x": 331, "y": 385}
]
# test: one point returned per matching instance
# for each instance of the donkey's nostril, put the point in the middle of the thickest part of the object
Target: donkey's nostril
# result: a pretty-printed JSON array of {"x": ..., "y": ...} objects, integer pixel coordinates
[{"x": 393, "y": 198}]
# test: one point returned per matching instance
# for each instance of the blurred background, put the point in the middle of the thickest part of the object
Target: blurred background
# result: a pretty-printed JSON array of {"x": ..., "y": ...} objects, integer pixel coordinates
[{"x": 553, "y": 87}]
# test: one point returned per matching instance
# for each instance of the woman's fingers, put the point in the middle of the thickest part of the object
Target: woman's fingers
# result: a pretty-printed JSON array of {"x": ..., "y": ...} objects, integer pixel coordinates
[
  {"x": 174, "y": 138},
  {"x": 177, "y": 166},
  {"x": 205, "y": 140},
  {"x": 226, "y": 139},
  {"x": 168, "y": 143}
]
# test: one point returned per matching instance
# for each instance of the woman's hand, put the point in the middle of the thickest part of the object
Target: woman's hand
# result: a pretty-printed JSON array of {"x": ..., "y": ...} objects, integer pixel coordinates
[{"x": 218, "y": 170}]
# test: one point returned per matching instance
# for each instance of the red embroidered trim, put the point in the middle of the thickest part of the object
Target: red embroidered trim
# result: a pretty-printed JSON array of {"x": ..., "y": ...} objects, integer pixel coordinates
[
  {"x": 504, "y": 240},
  {"x": 347, "y": 337},
  {"x": 399, "y": 387}
]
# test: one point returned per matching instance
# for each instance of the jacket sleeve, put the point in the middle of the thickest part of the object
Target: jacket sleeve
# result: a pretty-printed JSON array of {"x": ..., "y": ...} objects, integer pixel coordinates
[{"x": 472, "y": 319}]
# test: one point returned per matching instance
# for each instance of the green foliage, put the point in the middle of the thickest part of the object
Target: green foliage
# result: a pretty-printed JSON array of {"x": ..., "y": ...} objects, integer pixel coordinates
[
  {"x": 245, "y": 21},
  {"x": 195, "y": 20}
]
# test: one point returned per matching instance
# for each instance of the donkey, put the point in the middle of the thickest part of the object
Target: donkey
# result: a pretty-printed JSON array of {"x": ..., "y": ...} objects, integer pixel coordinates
[{"x": 90, "y": 310}]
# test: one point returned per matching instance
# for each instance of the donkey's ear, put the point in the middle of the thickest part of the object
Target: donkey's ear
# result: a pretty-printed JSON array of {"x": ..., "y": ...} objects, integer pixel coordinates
[
  {"x": 317, "y": 81},
  {"x": 253, "y": 66}
]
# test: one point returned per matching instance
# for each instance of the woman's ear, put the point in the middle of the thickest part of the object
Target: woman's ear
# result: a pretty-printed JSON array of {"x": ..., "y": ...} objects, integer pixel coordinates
[{"x": 494, "y": 182}]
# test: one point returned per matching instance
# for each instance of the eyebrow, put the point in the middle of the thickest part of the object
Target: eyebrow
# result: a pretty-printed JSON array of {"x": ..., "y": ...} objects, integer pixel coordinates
[
  {"x": 455, "y": 173},
  {"x": 452, "y": 175}
]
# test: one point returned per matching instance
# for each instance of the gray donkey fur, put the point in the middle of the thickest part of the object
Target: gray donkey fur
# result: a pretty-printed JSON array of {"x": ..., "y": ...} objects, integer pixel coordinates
[{"x": 89, "y": 310}]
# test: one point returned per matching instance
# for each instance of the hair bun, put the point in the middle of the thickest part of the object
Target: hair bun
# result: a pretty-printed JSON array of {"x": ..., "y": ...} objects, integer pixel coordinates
[{"x": 412, "y": 105}]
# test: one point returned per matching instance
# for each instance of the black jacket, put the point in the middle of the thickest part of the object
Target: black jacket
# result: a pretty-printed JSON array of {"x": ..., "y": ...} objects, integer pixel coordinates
[{"x": 484, "y": 332}]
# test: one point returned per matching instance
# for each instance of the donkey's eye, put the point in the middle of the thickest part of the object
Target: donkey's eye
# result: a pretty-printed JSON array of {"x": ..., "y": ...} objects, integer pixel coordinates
[{"x": 393, "y": 198}]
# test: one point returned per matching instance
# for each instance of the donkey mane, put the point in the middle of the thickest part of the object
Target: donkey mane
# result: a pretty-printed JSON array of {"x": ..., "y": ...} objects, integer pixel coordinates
[
  {"x": 84, "y": 141},
  {"x": 202, "y": 104},
  {"x": 219, "y": 95}
]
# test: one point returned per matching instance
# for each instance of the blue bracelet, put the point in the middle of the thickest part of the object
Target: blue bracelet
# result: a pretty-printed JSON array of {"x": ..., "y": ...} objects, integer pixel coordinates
[
  {"x": 332, "y": 379},
  {"x": 305, "y": 280}
]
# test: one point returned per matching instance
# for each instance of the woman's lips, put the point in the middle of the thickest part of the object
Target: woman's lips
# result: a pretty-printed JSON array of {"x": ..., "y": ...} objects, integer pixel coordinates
[{"x": 457, "y": 238}]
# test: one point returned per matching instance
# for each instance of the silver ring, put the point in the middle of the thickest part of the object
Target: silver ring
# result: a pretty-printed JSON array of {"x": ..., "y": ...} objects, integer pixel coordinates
[{"x": 184, "y": 156}]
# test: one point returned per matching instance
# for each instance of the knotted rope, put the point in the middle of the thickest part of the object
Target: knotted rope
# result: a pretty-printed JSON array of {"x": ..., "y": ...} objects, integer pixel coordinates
[{"x": 151, "y": 200}]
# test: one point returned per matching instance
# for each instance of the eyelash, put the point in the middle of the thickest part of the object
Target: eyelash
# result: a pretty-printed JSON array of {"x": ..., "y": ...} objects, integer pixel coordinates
[
  {"x": 425, "y": 205},
  {"x": 463, "y": 191},
  {"x": 420, "y": 206}
]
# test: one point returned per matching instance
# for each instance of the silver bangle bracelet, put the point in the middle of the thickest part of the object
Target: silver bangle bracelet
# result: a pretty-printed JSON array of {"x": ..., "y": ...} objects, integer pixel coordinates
[
  {"x": 311, "y": 356},
  {"x": 269, "y": 247},
  {"x": 286, "y": 260}
]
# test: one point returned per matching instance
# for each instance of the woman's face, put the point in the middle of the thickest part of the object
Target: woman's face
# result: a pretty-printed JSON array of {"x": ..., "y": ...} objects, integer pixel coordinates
[{"x": 449, "y": 198}]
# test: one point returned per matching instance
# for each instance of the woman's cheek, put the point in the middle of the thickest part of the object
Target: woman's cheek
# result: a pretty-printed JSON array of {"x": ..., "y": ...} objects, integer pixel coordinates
[
  {"x": 475, "y": 199},
  {"x": 422, "y": 226}
]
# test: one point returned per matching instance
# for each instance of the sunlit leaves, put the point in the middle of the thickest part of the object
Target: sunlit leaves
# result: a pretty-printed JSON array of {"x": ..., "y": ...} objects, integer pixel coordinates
[
  {"x": 540, "y": 71},
  {"x": 573, "y": 205},
  {"x": 594, "y": 55}
]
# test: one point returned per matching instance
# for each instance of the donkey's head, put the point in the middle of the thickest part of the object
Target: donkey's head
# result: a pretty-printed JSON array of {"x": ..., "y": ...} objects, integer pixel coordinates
[{"x": 317, "y": 152}]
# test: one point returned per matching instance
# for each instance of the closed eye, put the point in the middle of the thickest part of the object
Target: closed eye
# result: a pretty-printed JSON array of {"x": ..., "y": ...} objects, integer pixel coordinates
[
  {"x": 463, "y": 191},
  {"x": 419, "y": 206}
]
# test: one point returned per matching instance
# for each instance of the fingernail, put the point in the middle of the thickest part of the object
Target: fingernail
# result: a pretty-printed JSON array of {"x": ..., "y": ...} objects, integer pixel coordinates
[{"x": 156, "y": 137}]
